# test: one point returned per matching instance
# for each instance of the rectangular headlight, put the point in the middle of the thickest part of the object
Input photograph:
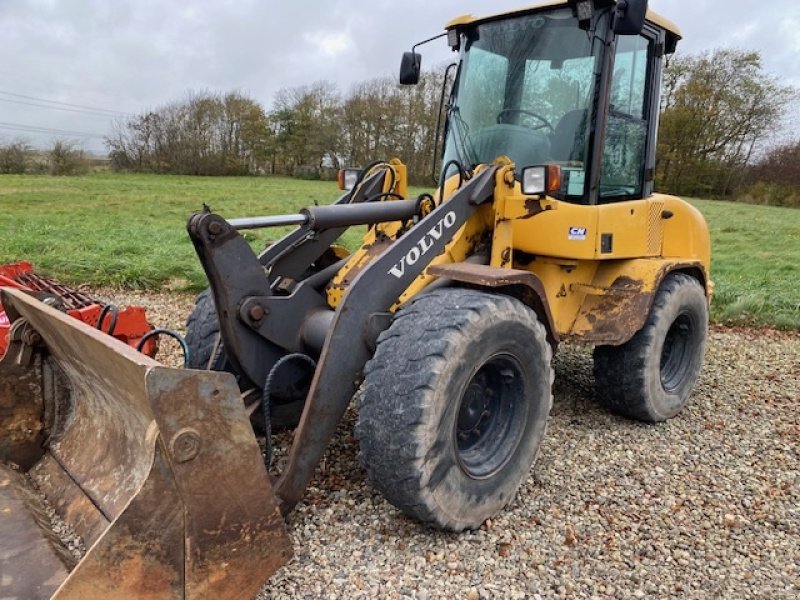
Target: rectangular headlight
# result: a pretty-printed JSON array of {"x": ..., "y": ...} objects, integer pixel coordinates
[
  {"x": 452, "y": 39},
  {"x": 541, "y": 179},
  {"x": 534, "y": 180},
  {"x": 584, "y": 10},
  {"x": 347, "y": 178}
]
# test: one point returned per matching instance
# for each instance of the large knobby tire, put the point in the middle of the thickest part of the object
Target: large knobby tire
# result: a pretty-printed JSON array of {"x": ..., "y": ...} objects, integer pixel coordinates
[
  {"x": 650, "y": 377},
  {"x": 454, "y": 406},
  {"x": 202, "y": 330},
  {"x": 206, "y": 352}
]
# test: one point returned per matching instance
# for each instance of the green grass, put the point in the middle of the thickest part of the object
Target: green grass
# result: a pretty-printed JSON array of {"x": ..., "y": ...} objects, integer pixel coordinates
[
  {"x": 129, "y": 230},
  {"x": 755, "y": 263}
]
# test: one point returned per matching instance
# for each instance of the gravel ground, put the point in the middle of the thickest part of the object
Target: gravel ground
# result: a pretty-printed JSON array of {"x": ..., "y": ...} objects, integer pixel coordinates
[{"x": 704, "y": 506}]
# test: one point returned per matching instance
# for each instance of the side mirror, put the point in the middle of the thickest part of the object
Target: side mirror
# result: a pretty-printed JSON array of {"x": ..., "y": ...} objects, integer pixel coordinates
[
  {"x": 410, "y": 67},
  {"x": 629, "y": 16}
]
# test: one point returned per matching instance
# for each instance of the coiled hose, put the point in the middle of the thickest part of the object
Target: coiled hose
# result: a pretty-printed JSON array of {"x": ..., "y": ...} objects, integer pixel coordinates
[{"x": 265, "y": 400}]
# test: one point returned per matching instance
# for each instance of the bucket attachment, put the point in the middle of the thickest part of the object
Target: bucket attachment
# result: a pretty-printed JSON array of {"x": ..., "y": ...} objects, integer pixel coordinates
[{"x": 156, "y": 469}]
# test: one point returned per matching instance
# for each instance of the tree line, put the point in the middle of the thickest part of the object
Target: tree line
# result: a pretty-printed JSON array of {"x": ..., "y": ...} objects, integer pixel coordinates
[
  {"x": 62, "y": 158},
  {"x": 311, "y": 131},
  {"x": 719, "y": 111},
  {"x": 720, "y": 122}
]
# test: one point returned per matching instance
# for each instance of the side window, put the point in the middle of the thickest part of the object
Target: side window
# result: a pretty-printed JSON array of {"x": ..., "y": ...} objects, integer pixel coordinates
[
  {"x": 626, "y": 130},
  {"x": 489, "y": 71},
  {"x": 562, "y": 92}
]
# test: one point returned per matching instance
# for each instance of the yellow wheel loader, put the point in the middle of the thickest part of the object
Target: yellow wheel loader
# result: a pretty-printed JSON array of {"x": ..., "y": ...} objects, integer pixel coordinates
[{"x": 544, "y": 227}]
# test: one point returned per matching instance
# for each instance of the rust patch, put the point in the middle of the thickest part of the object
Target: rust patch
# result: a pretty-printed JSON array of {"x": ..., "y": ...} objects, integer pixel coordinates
[
  {"x": 623, "y": 283},
  {"x": 615, "y": 315},
  {"x": 533, "y": 206},
  {"x": 370, "y": 251},
  {"x": 619, "y": 318},
  {"x": 613, "y": 318}
]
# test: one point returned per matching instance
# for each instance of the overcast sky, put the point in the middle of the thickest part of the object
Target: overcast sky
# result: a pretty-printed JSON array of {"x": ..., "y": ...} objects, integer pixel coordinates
[{"x": 123, "y": 56}]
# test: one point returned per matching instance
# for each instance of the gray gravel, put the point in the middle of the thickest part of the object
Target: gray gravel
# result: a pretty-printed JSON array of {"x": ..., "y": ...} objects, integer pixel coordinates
[{"x": 706, "y": 505}]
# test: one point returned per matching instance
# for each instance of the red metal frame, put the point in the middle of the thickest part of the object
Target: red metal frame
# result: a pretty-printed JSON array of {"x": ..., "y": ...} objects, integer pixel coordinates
[{"x": 131, "y": 323}]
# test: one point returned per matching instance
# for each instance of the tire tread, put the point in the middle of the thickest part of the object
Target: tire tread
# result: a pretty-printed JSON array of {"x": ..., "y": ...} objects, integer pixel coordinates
[
  {"x": 393, "y": 398},
  {"x": 621, "y": 371}
]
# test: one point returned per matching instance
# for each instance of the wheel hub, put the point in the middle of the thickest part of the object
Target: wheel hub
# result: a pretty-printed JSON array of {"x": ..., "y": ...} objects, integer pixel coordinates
[
  {"x": 474, "y": 407},
  {"x": 491, "y": 416},
  {"x": 676, "y": 352}
]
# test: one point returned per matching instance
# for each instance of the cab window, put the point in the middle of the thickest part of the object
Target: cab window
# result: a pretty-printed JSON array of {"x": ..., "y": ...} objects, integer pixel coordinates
[{"x": 622, "y": 171}]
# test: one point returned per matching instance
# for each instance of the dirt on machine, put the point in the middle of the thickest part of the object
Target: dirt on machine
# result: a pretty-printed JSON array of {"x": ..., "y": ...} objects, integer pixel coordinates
[{"x": 441, "y": 327}]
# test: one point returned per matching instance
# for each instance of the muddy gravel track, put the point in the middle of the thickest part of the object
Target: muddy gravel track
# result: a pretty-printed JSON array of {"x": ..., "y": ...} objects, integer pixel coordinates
[{"x": 706, "y": 505}]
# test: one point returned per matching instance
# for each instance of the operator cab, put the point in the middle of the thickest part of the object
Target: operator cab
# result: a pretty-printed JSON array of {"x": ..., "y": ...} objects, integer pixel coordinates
[{"x": 573, "y": 84}]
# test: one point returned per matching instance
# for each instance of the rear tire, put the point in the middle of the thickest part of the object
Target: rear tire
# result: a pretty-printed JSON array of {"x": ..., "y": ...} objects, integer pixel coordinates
[
  {"x": 650, "y": 377},
  {"x": 454, "y": 406}
]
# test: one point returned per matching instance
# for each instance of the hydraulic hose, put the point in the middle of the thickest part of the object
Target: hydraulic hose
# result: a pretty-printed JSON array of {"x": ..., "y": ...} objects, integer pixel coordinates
[{"x": 169, "y": 333}]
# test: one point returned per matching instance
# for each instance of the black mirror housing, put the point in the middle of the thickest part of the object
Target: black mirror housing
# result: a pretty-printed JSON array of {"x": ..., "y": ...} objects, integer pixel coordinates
[
  {"x": 410, "y": 68},
  {"x": 629, "y": 17}
]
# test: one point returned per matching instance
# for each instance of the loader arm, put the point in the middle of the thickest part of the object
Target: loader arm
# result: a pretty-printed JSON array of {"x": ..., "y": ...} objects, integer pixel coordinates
[
  {"x": 350, "y": 341},
  {"x": 352, "y": 328},
  {"x": 233, "y": 278},
  {"x": 291, "y": 255}
]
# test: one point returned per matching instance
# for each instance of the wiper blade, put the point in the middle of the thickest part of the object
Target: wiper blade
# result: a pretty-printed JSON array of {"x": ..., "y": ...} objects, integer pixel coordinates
[{"x": 466, "y": 153}]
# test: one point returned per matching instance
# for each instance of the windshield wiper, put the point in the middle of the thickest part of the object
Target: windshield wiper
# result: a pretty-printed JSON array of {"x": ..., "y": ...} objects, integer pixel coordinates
[{"x": 465, "y": 154}]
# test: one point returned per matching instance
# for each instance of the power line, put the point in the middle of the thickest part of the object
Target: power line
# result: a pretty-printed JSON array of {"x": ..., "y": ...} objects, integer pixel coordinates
[
  {"x": 48, "y": 130},
  {"x": 69, "y": 104},
  {"x": 72, "y": 110}
]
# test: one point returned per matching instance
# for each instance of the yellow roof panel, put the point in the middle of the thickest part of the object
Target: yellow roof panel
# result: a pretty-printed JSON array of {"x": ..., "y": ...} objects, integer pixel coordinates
[{"x": 469, "y": 19}]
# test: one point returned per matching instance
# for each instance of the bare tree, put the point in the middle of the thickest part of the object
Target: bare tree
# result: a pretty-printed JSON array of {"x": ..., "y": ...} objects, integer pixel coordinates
[{"x": 206, "y": 134}]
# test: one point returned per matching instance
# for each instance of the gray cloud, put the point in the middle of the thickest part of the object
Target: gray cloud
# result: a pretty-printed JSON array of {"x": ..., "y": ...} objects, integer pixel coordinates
[{"x": 128, "y": 56}]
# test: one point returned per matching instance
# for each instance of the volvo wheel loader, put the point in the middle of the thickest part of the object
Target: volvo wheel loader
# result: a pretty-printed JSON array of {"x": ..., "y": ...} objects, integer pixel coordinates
[{"x": 442, "y": 325}]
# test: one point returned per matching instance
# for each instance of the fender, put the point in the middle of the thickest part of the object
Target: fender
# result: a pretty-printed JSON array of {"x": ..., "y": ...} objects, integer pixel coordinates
[
  {"x": 616, "y": 306},
  {"x": 523, "y": 285}
]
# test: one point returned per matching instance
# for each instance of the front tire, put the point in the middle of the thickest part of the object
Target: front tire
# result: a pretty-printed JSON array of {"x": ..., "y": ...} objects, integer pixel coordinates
[
  {"x": 650, "y": 377},
  {"x": 454, "y": 406}
]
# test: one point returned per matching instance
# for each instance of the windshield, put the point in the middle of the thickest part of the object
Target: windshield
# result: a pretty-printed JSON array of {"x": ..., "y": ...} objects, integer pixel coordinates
[{"x": 525, "y": 90}]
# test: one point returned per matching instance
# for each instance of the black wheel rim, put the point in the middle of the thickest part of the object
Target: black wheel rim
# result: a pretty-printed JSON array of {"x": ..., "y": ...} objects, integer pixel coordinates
[
  {"x": 676, "y": 354},
  {"x": 491, "y": 417}
]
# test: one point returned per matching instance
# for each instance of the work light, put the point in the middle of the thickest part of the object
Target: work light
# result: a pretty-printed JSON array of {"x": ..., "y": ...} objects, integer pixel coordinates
[{"x": 541, "y": 179}]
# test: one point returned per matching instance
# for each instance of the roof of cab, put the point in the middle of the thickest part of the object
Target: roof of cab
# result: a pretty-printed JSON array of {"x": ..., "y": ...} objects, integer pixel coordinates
[{"x": 652, "y": 16}]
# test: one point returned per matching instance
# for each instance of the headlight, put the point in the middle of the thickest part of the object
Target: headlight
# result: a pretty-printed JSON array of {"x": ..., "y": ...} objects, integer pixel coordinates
[
  {"x": 541, "y": 179},
  {"x": 347, "y": 178}
]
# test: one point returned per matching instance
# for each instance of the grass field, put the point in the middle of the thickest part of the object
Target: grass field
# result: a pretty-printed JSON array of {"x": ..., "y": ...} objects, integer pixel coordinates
[
  {"x": 755, "y": 262},
  {"x": 129, "y": 230}
]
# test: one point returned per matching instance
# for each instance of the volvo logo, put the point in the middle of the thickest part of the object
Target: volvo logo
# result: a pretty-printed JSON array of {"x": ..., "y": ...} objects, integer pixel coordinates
[{"x": 424, "y": 245}]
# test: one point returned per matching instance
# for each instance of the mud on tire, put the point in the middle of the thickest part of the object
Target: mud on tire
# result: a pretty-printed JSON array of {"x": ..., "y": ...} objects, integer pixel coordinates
[
  {"x": 650, "y": 377},
  {"x": 454, "y": 406}
]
